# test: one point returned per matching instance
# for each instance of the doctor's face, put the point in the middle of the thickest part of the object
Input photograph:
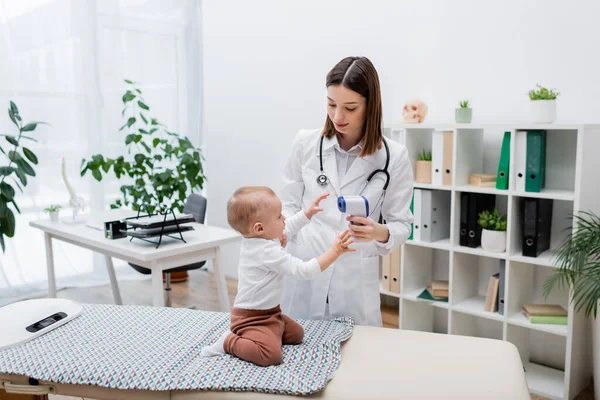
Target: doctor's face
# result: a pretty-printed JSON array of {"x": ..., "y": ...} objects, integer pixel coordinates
[{"x": 347, "y": 110}]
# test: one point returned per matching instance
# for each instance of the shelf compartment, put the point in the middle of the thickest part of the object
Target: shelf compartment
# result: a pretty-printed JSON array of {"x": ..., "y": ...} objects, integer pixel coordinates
[
  {"x": 526, "y": 283},
  {"x": 561, "y": 226},
  {"x": 422, "y": 316},
  {"x": 421, "y": 266},
  {"x": 470, "y": 278},
  {"x": 471, "y": 325},
  {"x": 543, "y": 356}
]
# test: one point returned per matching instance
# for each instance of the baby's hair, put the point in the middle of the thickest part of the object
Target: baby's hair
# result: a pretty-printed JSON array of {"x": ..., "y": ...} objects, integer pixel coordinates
[{"x": 246, "y": 205}]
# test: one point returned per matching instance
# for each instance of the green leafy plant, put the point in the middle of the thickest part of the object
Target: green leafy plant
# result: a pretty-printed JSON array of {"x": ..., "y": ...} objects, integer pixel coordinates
[
  {"x": 542, "y": 93},
  {"x": 577, "y": 260},
  {"x": 424, "y": 155},
  {"x": 492, "y": 220},
  {"x": 17, "y": 170},
  {"x": 464, "y": 104},
  {"x": 165, "y": 167},
  {"x": 52, "y": 208}
]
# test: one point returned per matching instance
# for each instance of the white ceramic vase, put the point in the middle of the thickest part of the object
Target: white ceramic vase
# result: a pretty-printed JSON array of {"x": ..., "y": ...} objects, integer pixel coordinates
[
  {"x": 494, "y": 241},
  {"x": 54, "y": 216},
  {"x": 543, "y": 111}
]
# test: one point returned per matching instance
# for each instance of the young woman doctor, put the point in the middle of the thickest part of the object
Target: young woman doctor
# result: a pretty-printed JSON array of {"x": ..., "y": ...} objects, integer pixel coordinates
[{"x": 339, "y": 159}]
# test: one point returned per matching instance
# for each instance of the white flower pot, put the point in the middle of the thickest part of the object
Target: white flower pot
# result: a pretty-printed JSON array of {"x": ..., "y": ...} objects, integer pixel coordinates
[
  {"x": 494, "y": 241},
  {"x": 543, "y": 111},
  {"x": 54, "y": 216}
]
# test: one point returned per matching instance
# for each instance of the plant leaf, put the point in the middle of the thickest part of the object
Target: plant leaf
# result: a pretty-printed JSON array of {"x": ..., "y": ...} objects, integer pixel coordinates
[
  {"x": 143, "y": 117},
  {"x": 16, "y": 206},
  {"x": 24, "y": 165},
  {"x": 5, "y": 171},
  {"x": 128, "y": 81},
  {"x": 12, "y": 140},
  {"x": 32, "y": 125},
  {"x": 8, "y": 223},
  {"x": 22, "y": 177},
  {"x": 96, "y": 174},
  {"x": 30, "y": 155},
  {"x": 143, "y": 105},
  {"x": 7, "y": 191},
  {"x": 127, "y": 97},
  {"x": 130, "y": 121}
]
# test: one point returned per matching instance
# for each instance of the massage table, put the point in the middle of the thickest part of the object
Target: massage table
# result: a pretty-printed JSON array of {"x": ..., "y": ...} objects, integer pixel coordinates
[{"x": 376, "y": 363}]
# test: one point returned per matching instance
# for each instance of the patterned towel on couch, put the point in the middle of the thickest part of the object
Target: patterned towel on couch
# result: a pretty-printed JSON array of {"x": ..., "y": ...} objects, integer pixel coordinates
[{"x": 151, "y": 348}]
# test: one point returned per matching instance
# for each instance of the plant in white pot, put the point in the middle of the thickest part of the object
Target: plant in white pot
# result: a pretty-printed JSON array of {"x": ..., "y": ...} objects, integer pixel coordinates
[
  {"x": 464, "y": 113},
  {"x": 543, "y": 105},
  {"x": 577, "y": 262},
  {"x": 53, "y": 210},
  {"x": 493, "y": 234}
]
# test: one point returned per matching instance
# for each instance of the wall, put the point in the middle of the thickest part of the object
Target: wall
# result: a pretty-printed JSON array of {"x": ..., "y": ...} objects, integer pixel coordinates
[{"x": 265, "y": 64}]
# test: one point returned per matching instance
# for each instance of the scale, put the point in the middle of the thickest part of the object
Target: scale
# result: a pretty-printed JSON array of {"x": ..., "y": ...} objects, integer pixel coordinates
[{"x": 26, "y": 320}]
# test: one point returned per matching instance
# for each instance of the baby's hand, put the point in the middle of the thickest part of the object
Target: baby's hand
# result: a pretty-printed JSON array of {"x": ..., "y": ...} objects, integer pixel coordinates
[
  {"x": 341, "y": 243},
  {"x": 315, "y": 208}
]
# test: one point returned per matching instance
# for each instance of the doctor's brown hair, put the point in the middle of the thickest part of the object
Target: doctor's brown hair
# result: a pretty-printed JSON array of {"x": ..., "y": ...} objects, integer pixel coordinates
[{"x": 359, "y": 75}]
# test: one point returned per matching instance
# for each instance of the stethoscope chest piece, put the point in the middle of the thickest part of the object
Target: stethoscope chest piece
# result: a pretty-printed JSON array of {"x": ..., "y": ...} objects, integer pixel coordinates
[{"x": 322, "y": 179}]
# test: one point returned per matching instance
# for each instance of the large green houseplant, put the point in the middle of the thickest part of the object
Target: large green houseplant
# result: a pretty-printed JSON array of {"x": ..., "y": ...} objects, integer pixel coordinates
[
  {"x": 16, "y": 170},
  {"x": 578, "y": 271},
  {"x": 163, "y": 166}
]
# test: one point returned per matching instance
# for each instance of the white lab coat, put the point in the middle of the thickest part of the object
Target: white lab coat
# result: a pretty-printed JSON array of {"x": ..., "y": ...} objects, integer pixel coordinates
[{"x": 351, "y": 284}]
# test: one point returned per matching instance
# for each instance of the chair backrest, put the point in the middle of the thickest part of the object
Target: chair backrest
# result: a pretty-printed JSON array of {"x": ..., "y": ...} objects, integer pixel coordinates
[{"x": 196, "y": 205}]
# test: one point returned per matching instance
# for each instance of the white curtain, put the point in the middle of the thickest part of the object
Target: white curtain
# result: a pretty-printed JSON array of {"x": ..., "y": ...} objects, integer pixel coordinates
[{"x": 64, "y": 62}]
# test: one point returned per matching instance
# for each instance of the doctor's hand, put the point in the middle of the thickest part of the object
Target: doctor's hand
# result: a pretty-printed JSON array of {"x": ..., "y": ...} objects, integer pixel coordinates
[
  {"x": 314, "y": 207},
  {"x": 367, "y": 230}
]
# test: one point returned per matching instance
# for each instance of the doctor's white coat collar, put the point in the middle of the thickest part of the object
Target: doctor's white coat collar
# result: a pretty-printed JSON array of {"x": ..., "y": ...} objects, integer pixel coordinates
[{"x": 360, "y": 168}]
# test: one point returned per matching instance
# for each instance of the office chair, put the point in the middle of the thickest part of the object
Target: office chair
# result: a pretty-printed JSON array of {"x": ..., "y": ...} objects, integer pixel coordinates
[{"x": 195, "y": 205}]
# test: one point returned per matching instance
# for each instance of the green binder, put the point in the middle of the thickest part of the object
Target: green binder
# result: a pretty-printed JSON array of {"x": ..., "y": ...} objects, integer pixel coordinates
[
  {"x": 535, "y": 165},
  {"x": 504, "y": 164},
  {"x": 412, "y": 211},
  {"x": 425, "y": 295}
]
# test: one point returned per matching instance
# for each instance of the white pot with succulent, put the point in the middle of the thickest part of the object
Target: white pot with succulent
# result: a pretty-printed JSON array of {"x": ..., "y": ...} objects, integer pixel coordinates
[
  {"x": 53, "y": 211},
  {"x": 543, "y": 105},
  {"x": 463, "y": 114},
  {"x": 493, "y": 235}
]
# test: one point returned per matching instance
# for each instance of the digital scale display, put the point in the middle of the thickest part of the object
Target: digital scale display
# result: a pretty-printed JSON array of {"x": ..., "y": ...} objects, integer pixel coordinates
[{"x": 46, "y": 322}]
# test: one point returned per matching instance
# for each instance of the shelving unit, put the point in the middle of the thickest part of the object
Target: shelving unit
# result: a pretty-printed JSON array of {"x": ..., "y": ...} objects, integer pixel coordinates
[{"x": 557, "y": 358}]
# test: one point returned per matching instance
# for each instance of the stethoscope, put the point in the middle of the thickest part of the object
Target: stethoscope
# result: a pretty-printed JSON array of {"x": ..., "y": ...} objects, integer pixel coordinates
[{"x": 322, "y": 179}]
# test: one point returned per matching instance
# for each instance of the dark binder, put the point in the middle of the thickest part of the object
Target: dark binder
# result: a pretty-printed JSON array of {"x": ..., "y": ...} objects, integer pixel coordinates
[
  {"x": 477, "y": 203},
  {"x": 535, "y": 167},
  {"x": 537, "y": 224},
  {"x": 501, "y": 287}
]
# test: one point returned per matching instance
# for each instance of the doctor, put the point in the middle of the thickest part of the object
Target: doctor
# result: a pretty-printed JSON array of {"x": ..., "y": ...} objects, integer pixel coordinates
[{"x": 339, "y": 159}]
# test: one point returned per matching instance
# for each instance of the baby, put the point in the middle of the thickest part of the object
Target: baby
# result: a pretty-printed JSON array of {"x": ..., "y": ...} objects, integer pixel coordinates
[{"x": 258, "y": 328}]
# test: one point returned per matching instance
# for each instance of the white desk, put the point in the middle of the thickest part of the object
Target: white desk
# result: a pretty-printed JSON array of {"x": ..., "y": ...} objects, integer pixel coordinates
[{"x": 203, "y": 243}]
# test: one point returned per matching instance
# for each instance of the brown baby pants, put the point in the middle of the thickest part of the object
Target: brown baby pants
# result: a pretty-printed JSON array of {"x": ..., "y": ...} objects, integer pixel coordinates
[{"x": 257, "y": 335}]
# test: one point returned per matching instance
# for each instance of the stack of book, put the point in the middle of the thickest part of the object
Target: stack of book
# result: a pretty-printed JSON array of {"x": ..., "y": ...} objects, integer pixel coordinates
[
  {"x": 553, "y": 314},
  {"x": 437, "y": 290}
]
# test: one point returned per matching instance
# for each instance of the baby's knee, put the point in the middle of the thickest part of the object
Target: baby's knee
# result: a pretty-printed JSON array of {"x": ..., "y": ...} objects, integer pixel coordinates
[
  {"x": 296, "y": 336},
  {"x": 272, "y": 357}
]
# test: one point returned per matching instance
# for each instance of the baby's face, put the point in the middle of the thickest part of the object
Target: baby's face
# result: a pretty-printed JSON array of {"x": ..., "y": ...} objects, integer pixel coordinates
[{"x": 273, "y": 221}]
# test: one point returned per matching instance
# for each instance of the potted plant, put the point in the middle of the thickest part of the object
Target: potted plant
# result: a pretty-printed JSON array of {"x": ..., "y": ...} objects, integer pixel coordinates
[
  {"x": 464, "y": 113},
  {"x": 577, "y": 262},
  {"x": 17, "y": 171},
  {"x": 52, "y": 210},
  {"x": 493, "y": 234},
  {"x": 423, "y": 167},
  {"x": 543, "y": 105}
]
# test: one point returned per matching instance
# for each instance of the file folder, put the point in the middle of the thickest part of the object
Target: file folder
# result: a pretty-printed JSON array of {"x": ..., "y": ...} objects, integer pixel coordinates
[
  {"x": 535, "y": 170},
  {"x": 520, "y": 160},
  {"x": 504, "y": 164},
  {"x": 537, "y": 224},
  {"x": 412, "y": 211},
  {"x": 385, "y": 272},
  {"x": 395, "y": 261},
  {"x": 417, "y": 215},
  {"x": 501, "y": 287},
  {"x": 464, "y": 206},
  {"x": 437, "y": 157},
  {"x": 477, "y": 203},
  {"x": 435, "y": 215},
  {"x": 447, "y": 160}
]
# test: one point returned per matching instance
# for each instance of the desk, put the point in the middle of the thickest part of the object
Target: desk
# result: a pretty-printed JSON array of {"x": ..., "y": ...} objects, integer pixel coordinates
[{"x": 203, "y": 243}]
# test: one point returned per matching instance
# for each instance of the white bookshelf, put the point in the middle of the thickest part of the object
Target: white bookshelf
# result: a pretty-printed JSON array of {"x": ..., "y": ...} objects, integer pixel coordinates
[{"x": 557, "y": 358}]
